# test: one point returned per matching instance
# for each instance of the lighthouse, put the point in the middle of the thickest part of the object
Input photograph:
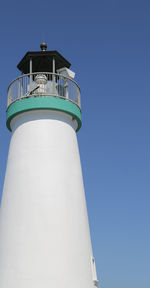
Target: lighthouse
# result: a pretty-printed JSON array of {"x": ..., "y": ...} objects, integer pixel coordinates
[{"x": 44, "y": 230}]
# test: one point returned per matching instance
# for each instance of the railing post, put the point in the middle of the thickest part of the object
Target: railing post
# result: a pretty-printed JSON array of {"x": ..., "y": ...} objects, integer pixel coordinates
[
  {"x": 66, "y": 89},
  {"x": 54, "y": 78},
  {"x": 22, "y": 85},
  {"x": 18, "y": 88},
  {"x": 8, "y": 100},
  {"x": 30, "y": 71},
  {"x": 79, "y": 99}
]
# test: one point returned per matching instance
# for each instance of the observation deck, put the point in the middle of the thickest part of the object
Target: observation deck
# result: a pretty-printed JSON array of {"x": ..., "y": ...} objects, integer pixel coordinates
[{"x": 43, "y": 90}]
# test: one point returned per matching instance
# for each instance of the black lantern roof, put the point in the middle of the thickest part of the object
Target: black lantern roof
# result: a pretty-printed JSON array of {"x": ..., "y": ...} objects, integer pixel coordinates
[{"x": 42, "y": 61}]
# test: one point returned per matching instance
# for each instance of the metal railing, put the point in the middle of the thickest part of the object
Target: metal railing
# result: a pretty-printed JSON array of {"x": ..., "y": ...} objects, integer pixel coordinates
[{"x": 43, "y": 84}]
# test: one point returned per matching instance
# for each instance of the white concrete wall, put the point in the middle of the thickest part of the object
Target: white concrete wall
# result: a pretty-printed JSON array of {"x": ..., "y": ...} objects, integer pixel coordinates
[{"x": 44, "y": 231}]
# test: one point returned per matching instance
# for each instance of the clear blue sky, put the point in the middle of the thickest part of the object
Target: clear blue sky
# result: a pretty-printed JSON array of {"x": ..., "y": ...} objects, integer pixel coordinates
[{"x": 108, "y": 44}]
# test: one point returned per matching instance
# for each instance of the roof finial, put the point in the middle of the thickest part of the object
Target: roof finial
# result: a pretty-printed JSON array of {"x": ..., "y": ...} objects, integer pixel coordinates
[{"x": 43, "y": 46}]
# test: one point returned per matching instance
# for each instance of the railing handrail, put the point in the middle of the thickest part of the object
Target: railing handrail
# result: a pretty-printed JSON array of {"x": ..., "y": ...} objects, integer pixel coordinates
[{"x": 48, "y": 73}]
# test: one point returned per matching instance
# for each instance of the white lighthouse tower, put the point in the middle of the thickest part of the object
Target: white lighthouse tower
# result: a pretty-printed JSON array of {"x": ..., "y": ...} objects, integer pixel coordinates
[{"x": 44, "y": 231}]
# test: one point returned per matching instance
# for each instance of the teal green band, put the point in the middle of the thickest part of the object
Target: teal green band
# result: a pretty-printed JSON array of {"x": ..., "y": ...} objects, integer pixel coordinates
[{"x": 40, "y": 103}]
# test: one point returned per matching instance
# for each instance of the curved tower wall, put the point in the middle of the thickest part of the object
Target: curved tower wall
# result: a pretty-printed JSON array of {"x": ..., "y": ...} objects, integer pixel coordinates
[{"x": 44, "y": 231}]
